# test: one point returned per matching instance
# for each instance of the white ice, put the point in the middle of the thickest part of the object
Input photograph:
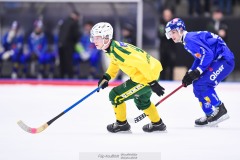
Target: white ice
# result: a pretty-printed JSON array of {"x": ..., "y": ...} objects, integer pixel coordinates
[{"x": 83, "y": 129}]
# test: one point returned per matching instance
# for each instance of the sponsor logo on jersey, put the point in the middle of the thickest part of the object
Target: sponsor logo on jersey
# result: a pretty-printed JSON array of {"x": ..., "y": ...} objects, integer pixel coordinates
[
  {"x": 215, "y": 74},
  {"x": 119, "y": 98},
  {"x": 122, "y": 44},
  {"x": 198, "y": 55},
  {"x": 207, "y": 105},
  {"x": 132, "y": 91}
]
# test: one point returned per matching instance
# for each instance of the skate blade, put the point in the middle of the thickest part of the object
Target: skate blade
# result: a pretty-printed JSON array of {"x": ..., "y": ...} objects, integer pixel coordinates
[
  {"x": 122, "y": 132},
  {"x": 223, "y": 118},
  {"x": 157, "y": 132},
  {"x": 125, "y": 132},
  {"x": 206, "y": 125}
]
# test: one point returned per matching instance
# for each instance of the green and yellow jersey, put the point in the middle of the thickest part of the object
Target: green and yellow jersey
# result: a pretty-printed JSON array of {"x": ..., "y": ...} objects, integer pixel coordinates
[{"x": 136, "y": 63}]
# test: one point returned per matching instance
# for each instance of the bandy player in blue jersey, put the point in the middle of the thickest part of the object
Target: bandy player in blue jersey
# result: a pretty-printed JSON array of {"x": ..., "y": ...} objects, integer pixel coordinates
[{"x": 213, "y": 62}]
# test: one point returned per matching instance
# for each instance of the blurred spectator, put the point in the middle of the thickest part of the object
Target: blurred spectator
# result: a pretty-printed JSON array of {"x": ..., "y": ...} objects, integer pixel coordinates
[
  {"x": 12, "y": 44},
  {"x": 128, "y": 36},
  {"x": 40, "y": 56},
  {"x": 194, "y": 7},
  {"x": 68, "y": 37},
  {"x": 217, "y": 24},
  {"x": 225, "y": 6},
  {"x": 171, "y": 4},
  {"x": 167, "y": 48},
  {"x": 54, "y": 48},
  {"x": 207, "y": 6},
  {"x": 86, "y": 51}
]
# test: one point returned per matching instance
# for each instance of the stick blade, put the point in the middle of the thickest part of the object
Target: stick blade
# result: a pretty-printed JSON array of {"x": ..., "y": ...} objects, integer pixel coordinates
[
  {"x": 32, "y": 130},
  {"x": 130, "y": 120},
  {"x": 139, "y": 118}
]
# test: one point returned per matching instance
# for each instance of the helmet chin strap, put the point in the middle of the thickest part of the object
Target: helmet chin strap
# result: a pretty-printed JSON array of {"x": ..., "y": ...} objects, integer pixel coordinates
[
  {"x": 105, "y": 45},
  {"x": 181, "y": 36}
]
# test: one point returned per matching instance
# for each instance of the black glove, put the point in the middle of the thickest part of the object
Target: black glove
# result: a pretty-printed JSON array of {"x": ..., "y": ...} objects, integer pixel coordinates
[
  {"x": 159, "y": 90},
  {"x": 190, "y": 77},
  {"x": 103, "y": 82}
]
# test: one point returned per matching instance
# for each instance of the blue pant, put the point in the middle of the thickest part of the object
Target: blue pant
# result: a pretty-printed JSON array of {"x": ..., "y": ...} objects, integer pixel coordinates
[{"x": 203, "y": 87}]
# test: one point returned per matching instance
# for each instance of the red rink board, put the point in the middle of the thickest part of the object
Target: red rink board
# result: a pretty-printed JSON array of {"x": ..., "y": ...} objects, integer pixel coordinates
[{"x": 56, "y": 82}]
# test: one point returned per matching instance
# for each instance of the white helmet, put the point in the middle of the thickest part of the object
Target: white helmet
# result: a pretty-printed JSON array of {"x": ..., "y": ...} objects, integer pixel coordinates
[{"x": 102, "y": 29}]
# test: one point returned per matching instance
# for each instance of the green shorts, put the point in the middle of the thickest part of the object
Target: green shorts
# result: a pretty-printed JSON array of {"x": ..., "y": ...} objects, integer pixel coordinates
[{"x": 131, "y": 90}]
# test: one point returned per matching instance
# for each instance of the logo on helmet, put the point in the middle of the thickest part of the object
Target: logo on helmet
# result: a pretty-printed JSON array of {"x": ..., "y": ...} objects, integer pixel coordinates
[
  {"x": 175, "y": 23},
  {"x": 175, "y": 20}
]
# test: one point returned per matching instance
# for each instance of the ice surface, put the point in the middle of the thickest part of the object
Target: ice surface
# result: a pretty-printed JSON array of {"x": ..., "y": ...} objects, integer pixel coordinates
[{"x": 83, "y": 129}]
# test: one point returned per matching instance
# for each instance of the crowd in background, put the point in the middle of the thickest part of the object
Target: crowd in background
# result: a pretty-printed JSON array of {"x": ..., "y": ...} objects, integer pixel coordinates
[
  {"x": 34, "y": 55},
  {"x": 199, "y": 7}
]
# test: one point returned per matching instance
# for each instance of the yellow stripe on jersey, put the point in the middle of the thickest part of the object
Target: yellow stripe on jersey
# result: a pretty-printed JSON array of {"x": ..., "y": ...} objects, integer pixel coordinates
[{"x": 133, "y": 61}]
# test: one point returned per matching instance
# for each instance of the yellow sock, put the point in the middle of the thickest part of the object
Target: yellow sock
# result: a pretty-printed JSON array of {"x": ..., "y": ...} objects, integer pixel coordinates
[
  {"x": 152, "y": 113},
  {"x": 120, "y": 112}
]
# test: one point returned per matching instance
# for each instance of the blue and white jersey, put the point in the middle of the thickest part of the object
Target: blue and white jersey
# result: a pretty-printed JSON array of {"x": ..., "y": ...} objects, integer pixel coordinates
[
  {"x": 15, "y": 44},
  {"x": 37, "y": 43},
  {"x": 206, "y": 47}
]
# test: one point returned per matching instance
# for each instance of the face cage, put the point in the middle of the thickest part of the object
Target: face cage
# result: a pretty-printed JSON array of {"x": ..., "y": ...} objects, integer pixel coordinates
[
  {"x": 169, "y": 33},
  {"x": 91, "y": 37},
  {"x": 103, "y": 38}
]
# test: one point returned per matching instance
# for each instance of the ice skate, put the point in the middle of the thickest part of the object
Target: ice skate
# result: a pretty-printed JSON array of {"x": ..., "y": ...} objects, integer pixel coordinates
[
  {"x": 202, "y": 122},
  {"x": 219, "y": 115},
  {"x": 117, "y": 127},
  {"x": 152, "y": 127}
]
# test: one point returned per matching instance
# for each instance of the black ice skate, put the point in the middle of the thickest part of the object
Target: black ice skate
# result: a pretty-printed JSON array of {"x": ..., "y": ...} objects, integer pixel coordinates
[
  {"x": 152, "y": 127},
  {"x": 201, "y": 122},
  {"x": 219, "y": 115},
  {"x": 119, "y": 127}
]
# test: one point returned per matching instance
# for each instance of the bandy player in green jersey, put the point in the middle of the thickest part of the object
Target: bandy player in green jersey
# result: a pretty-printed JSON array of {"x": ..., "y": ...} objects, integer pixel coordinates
[{"x": 143, "y": 70}]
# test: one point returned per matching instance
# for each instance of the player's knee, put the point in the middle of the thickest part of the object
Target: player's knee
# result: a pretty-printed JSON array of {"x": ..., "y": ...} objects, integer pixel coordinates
[
  {"x": 142, "y": 105},
  {"x": 112, "y": 95},
  {"x": 200, "y": 88},
  {"x": 115, "y": 98}
]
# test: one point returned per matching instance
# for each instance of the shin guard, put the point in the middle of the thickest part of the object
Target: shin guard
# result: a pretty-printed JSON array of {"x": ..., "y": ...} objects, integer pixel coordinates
[
  {"x": 120, "y": 112},
  {"x": 152, "y": 113}
]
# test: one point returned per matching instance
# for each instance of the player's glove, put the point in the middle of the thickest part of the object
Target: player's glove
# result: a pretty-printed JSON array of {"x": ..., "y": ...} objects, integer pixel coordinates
[
  {"x": 190, "y": 77},
  {"x": 103, "y": 82},
  {"x": 159, "y": 90}
]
